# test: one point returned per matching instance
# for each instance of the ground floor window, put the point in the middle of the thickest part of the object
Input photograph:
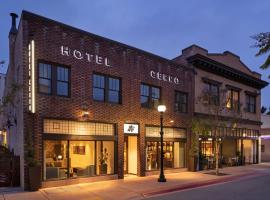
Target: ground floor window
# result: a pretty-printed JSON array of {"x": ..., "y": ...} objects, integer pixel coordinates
[
  {"x": 71, "y": 159},
  {"x": 174, "y": 154}
]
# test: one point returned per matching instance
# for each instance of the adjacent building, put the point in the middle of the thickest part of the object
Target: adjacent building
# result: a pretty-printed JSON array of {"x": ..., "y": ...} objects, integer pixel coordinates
[
  {"x": 235, "y": 100},
  {"x": 90, "y": 103},
  {"x": 265, "y": 138}
]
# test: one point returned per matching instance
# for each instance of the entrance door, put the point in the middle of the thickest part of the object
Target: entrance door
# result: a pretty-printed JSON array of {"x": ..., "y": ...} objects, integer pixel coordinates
[{"x": 130, "y": 155}]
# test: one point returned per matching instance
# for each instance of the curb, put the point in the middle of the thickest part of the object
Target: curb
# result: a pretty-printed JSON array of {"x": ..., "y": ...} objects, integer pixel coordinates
[{"x": 201, "y": 184}]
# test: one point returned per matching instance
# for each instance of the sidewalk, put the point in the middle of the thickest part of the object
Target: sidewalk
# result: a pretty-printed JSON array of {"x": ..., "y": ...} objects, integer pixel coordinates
[{"x": 133, "y": 187}]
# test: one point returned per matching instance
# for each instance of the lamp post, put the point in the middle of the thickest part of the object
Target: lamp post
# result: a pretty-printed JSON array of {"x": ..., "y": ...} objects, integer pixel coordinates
[{"x": 161, "y": 109}]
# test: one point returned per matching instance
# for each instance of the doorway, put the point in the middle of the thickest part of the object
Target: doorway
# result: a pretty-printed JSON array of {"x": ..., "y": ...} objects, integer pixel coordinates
[{"x": 130, "y": 155}]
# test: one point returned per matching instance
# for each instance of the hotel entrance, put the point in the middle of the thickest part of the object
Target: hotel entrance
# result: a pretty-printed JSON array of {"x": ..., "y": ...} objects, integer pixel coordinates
[{"x": 130, "y": 155}]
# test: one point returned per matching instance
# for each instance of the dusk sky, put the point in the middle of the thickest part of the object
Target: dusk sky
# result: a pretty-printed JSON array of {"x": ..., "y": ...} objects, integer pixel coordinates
[{"x": 160, "y": 27}]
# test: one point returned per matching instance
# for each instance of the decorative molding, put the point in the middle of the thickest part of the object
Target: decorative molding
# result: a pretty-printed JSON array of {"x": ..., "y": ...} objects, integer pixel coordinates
[
  {"x": 233, "y": 87},
  {"x": 207, "y": 80},
  {"x": 226, "y": 118},
  {"x": 214, "y": 67}
]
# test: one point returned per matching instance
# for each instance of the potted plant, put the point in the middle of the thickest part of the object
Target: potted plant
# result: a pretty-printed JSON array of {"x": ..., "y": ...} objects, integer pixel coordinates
[
  {"x": 34, "y": 167},
  {"x": 194, "y": 152},
  {"x": 103, "y": 159}
]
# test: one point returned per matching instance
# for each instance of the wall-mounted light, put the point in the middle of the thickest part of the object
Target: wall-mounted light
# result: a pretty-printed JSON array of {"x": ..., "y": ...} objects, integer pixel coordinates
[
  {"x": 31, "y": 73},
  {"x": 85, "y": 113},
  {"x": 209, "y": 139},
  {"x": 171, "y": 121}
]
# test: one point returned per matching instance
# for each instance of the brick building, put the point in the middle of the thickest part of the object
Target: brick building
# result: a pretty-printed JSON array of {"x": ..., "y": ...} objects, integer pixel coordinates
[{"x": 90, "y": 103}]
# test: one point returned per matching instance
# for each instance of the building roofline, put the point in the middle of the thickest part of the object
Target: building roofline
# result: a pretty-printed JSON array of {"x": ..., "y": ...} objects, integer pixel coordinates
[
  {"x": 25, "y": 13},
  {"x": 222, "y": 68}
]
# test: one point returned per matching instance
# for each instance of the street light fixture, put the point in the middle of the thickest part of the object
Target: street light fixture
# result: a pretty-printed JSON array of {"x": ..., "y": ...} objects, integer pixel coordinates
[{"x": 161, "y": 109}]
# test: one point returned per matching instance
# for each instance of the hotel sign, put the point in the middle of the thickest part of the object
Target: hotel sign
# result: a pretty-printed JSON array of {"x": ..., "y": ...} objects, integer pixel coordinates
[
  {"x": 131, "y": 128},
  {"x": 79, "y": 55},
  {"x": 164, "y": 77}
]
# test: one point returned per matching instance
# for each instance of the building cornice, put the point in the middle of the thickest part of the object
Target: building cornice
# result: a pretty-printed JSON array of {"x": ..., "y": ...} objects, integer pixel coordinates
[
  {"x": 212, "y": 66},
  {"x": 227, "y": 118}
]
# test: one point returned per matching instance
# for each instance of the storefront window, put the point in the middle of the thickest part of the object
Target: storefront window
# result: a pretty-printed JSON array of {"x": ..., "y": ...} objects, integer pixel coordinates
[
  {"x": 105, "y": 157},
  {"x": 174, "y": 155},
  {"x": 55, "y": 156},
  {"x": 152, "y": 156},
  {"x": 82, "y": 158}
]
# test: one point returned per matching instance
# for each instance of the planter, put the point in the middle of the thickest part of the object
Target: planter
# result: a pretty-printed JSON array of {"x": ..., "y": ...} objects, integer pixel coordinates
[
  {"x": 193, "y": 161},
  {"x": 34, "y": 178},
  {"x": 103, "y": 168}
]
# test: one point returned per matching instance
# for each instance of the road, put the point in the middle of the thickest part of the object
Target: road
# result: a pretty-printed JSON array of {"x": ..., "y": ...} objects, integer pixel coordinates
[{"x": 252, "y": 188}]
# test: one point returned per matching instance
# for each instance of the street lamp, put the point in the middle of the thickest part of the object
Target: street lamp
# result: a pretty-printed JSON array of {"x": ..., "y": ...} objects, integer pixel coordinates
[{"x": 161, "y": 109}]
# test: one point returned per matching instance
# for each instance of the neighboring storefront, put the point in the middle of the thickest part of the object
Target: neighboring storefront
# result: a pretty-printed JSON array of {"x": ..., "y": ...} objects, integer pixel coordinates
[
  {"x": 265, "y": 138},
  {"x": 236, "y": 148}
]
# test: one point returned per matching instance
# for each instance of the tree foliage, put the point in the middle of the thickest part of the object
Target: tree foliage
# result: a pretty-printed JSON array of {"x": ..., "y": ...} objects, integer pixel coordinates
[{"x": 263, "y": 44}]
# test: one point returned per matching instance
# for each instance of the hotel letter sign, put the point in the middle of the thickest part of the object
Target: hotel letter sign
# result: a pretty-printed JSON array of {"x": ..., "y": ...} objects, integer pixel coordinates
[
  {"x": 164, "y": 77},
  {"x": 79, "y": 55}
]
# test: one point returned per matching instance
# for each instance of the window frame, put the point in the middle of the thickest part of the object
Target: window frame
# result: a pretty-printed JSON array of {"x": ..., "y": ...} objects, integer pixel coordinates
[
  {"x": 183, "y": 93},
  {"x": 248, "y": 104},
  {"x": 150, "y": 105},
  {"x": 232, "y": 107},
  {"x": 39, "y": 77},
  {"x": 210, "y": 84},
  {"x": 107, "y": 88},
  {"x": 54, "y": 78}
]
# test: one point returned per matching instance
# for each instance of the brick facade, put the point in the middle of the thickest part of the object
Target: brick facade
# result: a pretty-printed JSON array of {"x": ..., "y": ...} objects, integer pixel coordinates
[{"x": 131, "y": 65}]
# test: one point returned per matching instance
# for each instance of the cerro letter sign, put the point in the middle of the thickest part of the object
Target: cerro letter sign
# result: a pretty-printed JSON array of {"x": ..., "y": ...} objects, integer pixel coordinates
[
  {"x": 79, "y": 55},
  {"x": 164, "y": 77}
]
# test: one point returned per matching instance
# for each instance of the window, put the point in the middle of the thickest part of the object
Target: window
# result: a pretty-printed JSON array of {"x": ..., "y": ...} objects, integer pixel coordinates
[
  {"x": 180, "y": 102},
  {"x": 213, "y": 92},
  {"x": 44, "y": 78},
  {"x": 150, "y": 96},
  {"x": 233, "y": 102},
  {"x": 106, "y": 89},
  {"x": 76, "y": 158},
  {"x": 53, "y": 79},
  {"x": 250, "y": 103},
  {"x": 174, "y": 155},
  {"x": 62, "y": 81},
  {"x": 99, "y": 88}
]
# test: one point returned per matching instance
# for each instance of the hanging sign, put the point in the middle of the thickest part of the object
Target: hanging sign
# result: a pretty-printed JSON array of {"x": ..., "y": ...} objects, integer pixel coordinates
[{"x": 131, "y": 128}]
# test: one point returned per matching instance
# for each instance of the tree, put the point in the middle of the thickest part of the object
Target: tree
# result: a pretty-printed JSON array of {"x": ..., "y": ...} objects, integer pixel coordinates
[
  {"x": 263, "y": 43},
  {"x": 263, "y": 109},
  {"x": 216, "y": 106},
  {"x": 9, "y": 102}
]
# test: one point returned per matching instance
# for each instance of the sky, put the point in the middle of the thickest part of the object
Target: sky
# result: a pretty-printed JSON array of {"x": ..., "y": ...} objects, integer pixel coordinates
[{"x": 160, "y": 27}]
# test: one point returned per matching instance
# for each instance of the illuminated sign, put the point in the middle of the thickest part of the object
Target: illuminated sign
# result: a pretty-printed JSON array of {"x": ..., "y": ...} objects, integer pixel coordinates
[
  {"x": 164, "y": 77},
  {"x": 31, "y": 73},
  {"x": 131, "y": 128},
  {"x": 79, "y": 55}
]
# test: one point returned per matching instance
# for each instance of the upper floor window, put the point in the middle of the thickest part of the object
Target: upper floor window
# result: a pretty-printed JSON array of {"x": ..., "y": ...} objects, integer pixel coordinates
[
  {"x": 45, "y": 78},
  {"x": 53, "y": 79},
  {"x": 233, "y": 99},
  {"x": 106, "y": 88},
  {"x": 250, "y": 103},
  {"x": 150, "y": 96},
  {"x": 180, "y": 102},
  {"x": 212, "y": 93}
]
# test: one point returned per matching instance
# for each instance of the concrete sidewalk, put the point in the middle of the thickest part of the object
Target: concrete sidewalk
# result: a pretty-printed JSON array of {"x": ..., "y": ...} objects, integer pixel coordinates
[{"x": 133, "y": 187}]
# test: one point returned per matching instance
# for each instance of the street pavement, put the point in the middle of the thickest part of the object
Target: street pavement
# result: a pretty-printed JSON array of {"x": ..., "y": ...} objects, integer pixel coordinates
[
  {"x": 251, "y": 188},
  {"x": 133, "y": 187}
]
